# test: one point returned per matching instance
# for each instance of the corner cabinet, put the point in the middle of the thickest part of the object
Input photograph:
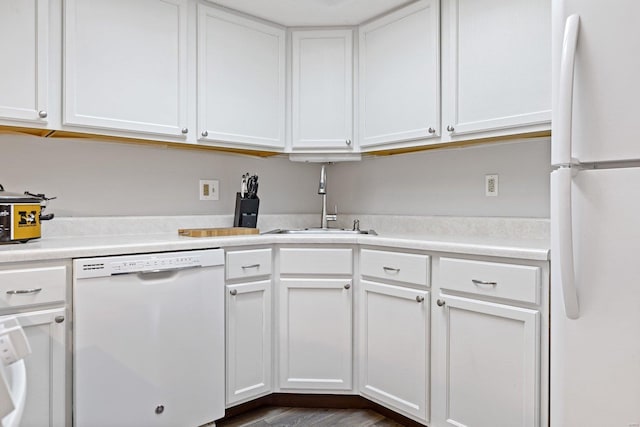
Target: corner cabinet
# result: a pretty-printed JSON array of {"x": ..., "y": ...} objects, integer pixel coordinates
[
  {"x": 496, "y": 62},
  {"x": 315, "y": 319},
  {"x": 24, "y": 77},
  {"x": 399, "y": 96},
  {"x": 322, "y": 90},
  {"x": 394, "y": 331},
  {"x": 125, "y": 66},
  {"x": 241, "y": 80}
]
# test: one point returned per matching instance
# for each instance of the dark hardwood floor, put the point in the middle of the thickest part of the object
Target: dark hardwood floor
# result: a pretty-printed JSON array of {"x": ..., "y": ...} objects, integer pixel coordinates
[{"x": 275, "y": 416}]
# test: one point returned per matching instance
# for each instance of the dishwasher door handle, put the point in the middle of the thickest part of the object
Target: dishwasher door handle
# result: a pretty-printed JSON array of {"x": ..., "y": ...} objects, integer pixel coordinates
[{"x": 158, "y": 270}]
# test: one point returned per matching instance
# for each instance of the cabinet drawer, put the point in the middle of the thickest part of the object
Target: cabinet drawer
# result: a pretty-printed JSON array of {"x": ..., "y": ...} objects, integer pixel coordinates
[
  {"x": 32, "y": 286},
  {"x": 515, "y": 282},
  {"x": 316, "y": 261},
  {"x": 246, "y": 264},
  {"x": 410, "y": 268}
]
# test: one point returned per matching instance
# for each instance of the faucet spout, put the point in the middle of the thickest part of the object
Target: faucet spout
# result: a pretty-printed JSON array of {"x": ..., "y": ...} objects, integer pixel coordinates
[{"x": 322, "y": 186}]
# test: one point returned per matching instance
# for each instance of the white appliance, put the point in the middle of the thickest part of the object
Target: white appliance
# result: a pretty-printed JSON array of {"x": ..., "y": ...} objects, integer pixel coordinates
[
  {"x": 595, "y": 214},
  {"x": 149, "y": 339}
]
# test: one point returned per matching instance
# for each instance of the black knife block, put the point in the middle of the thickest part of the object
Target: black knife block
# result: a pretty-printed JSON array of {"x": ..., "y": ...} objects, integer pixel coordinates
[{"x": 246, "y": 212}]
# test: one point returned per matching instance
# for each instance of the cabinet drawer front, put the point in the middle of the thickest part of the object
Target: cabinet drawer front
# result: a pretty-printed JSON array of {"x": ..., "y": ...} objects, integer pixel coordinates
[
  {"x": 410, "y": 268},
  {"x": 315, "y": 261},
  {"x": 32, "y": 286},
  {"x": 246, "y": 264},
  {"x": 515, "y": 282}
]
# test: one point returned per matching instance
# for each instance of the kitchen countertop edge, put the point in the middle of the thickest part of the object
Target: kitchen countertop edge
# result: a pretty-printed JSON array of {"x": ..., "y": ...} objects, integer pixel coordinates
[{"x": 94, "y": 246}]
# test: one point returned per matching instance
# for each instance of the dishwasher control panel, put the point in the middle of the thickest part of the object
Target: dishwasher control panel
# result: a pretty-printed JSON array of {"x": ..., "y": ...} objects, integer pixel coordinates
[{"x": 146, "y": 263}]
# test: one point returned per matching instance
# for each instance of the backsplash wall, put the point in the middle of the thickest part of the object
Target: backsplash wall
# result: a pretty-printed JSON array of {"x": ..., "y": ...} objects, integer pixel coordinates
[
  {"x": 92, "y": 178},
  {"x": 448, "y": 182}
]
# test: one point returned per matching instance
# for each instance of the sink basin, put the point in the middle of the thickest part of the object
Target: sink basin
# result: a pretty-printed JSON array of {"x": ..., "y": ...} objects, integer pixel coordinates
[{"x": 321, "y": 231}]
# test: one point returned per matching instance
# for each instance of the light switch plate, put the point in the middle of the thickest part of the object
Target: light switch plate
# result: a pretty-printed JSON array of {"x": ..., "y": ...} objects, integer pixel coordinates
[{"x": 209, "y": 189}]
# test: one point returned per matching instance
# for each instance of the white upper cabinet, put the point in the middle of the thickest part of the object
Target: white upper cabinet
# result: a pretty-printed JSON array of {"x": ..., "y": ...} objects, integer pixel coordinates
[
  {"x": 322, "y": 90},
  {"x": 241, "y": 80},
  {"x": 496, "y": 67},
  {"x": 125, "y": 65},
  {"x": 24, "y": 72},
  {"x": 399, "y": 97}
]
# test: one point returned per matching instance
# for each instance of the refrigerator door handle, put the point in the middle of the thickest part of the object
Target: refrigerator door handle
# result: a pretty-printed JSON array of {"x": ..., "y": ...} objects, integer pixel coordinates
[
  {"x": 562, "y": 234},
  {"x": 563, "y": 113}
]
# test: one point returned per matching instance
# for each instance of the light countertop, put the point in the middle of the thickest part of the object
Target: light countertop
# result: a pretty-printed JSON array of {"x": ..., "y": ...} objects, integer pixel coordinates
[{"x": 49, "y": 248}]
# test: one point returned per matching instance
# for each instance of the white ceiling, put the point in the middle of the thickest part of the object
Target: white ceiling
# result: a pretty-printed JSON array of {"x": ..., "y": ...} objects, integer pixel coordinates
[{"x": 293, "y": 13}]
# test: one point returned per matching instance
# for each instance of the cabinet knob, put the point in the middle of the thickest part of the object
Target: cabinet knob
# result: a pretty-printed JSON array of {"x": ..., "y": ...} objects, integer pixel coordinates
[
  {"x": 185, "y": 130},
  {"x": 59, "y": 319},
  {"x": 440, "y": 302},
  {"x": 42, "y": 114},
  {"x": 347, "y": 286},
  {"x": 431, "y": 130},
  {"x": 205, "y": 133},
  {"x": 233, "y": 292},
  {"x": 420, "y": 298},
  {"x": 159, "y": 409},
  {"x": 450, "y": 128},
  {"x": 348, "y": 142}
]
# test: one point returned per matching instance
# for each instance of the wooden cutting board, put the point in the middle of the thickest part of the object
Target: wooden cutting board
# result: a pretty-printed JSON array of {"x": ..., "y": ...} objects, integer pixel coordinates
[{"x": 213, "y": 232}]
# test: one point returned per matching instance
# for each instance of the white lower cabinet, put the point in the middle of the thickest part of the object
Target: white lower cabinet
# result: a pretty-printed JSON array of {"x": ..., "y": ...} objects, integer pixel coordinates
[
  {"x": 394, "y": 347},
  {"x": 248, "y": 340},
  {"x": 45, "y": 404},
  {"x": 490, "y": 344},
  {"x": 315, "y": 334},
  {"x": 492, "y": 357}
]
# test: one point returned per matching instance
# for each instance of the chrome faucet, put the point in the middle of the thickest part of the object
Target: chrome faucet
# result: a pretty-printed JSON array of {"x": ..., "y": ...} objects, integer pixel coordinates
[{"x": 322, "y": 190}]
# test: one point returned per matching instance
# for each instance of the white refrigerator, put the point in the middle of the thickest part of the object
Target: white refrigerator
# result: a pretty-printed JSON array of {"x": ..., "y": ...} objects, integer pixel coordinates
[{"x": 595, "y": 214}]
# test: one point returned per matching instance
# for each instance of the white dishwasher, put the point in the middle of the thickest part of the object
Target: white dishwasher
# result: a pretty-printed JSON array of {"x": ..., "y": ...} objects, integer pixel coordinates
[{"x": 149, "y": 339}]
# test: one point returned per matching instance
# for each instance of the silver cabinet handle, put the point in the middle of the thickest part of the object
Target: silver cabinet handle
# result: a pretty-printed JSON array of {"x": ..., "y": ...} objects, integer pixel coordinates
[
  {"x": 347, "y": 286},
  {"x": 245, "y": 267},
  {"x": 420, "y": 298},
  {"x": 42, "y": 114},
  {"x": 233, "y": 292},
  {"x": 450, "y": 128},
  {"x": 24, "y": 291},
  {"x": 431, "y": 130},
  {"x": 440, "y": 302},
  {"x": 205, "y": 133},
  {"x": 59, "y": 319},
  {"x": 483, "y": 282},
  {"x": 348, "y": 142},
  {"x": 185, "y": 130},
  {"x": 391, "y": 269}
]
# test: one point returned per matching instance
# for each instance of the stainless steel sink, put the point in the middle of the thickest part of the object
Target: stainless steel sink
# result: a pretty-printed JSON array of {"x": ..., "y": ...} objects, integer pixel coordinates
[{"x": 321, "y": 231}]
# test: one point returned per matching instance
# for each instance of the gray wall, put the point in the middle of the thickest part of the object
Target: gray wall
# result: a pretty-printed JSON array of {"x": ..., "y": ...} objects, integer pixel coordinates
[
  {"x": 93, "y": 178},
  {"x": 448, "y": 182}
]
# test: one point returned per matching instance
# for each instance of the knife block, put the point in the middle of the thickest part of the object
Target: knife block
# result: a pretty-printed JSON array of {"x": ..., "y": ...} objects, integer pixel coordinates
[{"x": 246, "y": 212}]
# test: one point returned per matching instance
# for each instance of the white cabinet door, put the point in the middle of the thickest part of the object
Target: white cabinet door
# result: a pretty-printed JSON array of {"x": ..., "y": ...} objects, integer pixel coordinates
[
  {"x": 394, "y": 347},
  {"x": 241, "y": 80},
  {"x": 496, "y": 62},
  {"x": 125, "y": 65},
  {"x": 399, "y": 75},
  {"x": 491, "y": 355},
  {"x": 315, "y": 334},
  {"x": 248, "y": 340},
  {"x": 46, "y": 402},
  {"x": 24, "y": 72},
  {"x": 322, "y": 90}
]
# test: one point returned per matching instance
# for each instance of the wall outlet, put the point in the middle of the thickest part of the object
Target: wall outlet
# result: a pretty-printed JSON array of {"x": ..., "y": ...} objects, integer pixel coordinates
[
  {"x": 491, "y": 185},
  {"x": 209, "y": 189}
]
